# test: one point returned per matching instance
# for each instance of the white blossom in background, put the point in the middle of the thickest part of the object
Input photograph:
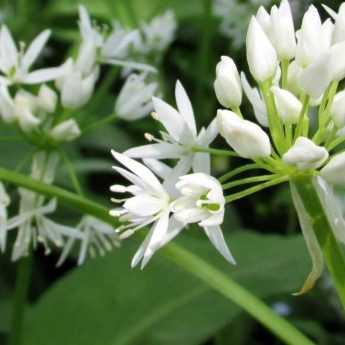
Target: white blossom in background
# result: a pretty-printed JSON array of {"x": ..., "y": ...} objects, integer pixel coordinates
[
  {"x": 180, "y": 137},
  {"x": 4, "y": 203},
  {"x": 157, "y": 34},
  {"x": 203, "y": 202},
  {"x": 135, "y": 98},
  {"x": 65, "y": 131},
  {"x": 33, "y": 225},
  {"x": 15, "y": 64},
  {"x": 97, "y": 238}
]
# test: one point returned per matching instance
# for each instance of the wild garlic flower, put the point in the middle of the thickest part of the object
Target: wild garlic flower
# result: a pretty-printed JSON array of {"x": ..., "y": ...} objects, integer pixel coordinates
[
  {"x": 135, "y": 98},
  {"x": 196, "y": 198},
  {"x": 33, "y": 225},
  {"x": 203, "y": 202},
  {"x": 96, "y": 238},
  {"x": 4, "y": 203},
  {"x": 181, "y": 140},
  {"x": 16, "y": 64}
]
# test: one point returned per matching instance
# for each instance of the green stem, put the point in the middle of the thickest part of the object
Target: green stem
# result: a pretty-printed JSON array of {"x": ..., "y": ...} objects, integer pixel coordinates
[
  {"x": 304, "y": 111},
  {"x": 19, "y": 302},
  {"x": 100, "y": 123},
  {"x": 284, "y": 68},
  {"x": 248, "y": 180},
  {"x": 215, "y": 152},
  {"x": 188, "y": 261},
  {"x": 255, "y": 189},
  {"x": 324, "y": 233},
  {"x": 333, "y": 144},
  {"x": 238, "y": 171}
]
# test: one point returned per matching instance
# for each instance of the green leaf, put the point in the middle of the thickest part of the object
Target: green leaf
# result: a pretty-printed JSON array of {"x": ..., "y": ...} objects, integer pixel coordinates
[{"x": 106, "y": 303}]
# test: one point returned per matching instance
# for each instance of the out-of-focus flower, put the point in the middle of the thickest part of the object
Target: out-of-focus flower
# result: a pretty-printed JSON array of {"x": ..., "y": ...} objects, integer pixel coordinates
[
  {"x": 135, "y": 98},
  {"x": 97, "y": 238},
  {"x": 47, "y": 99},
  {"x": 65, "y": 131},
  {"x": 181, "y": 136},
  {"x": 15, "y": 65},
  {"x": 304, "y": 154},
  {"x": 4, "y": 203},
  {"x": 202, "y": 202},
  {"x": 228, "y": 84},
  {"x": 333, "y": 171},
  {"x": 245, "y": 137}
]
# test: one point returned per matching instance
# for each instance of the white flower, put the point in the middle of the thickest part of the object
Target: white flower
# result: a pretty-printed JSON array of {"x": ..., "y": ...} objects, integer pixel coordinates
[
  {"x": 333, "y": 171},
  {"x": 148, "y": 203},
  {"x": 113, "y": 49},
  {"x": 4, "y": 203},
  {"x": 181, "y": 135},
  {"x": 77, "y": 84},
  {"x": 245, "y": 137},
  {"x": 293, "y": 77},
  {"x": 261, "y": 55},
  {"x": 338, "y": 109},
  {"x": 16, "y": 65},
  {"x": 97, "y": 238},
  {"x": 256, "y": 101},
  {"x": 202, "y": 202},
  {"x": 304, "y": 154},
  {"x": 313, "y": 39},
  {"x": 47, "y": 99},
  {"x": 289, "y": 107},
  {"x": 158, "y": 33},
  {"x": 135, "y": 98},
  {"x": 282, "y": 31},
  {"x": 6, "y": 105},
  {"x": 228, "y": 84},
  {"x": 33, "y": 225},
  {"x": 65, "y": 131}
]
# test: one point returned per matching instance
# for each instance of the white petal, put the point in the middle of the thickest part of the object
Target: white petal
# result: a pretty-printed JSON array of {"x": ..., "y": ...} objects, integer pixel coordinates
[
  {"x": 143, "y": 205},
  {"x": 156, "y": 151},
  {"x": 215, "y": 235},
  {"x": 159, "y": 168},
  {"x": 8, "y": 50},
  {"x": 184, "y": 106},
  {"x": 34, "y": 50},
  {"x": 45, "y": 74}
]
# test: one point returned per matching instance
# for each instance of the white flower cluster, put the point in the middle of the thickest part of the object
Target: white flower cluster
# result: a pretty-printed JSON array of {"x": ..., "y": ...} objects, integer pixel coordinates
[{"x": 46, "y": 116}]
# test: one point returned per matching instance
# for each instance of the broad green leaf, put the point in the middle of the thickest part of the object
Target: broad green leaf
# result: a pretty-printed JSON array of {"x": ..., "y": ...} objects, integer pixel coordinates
[{"x": 107, "y": 303}]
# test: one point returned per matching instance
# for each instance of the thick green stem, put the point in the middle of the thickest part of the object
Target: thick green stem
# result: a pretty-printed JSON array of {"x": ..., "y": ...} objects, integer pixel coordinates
[
  {"x": 188, "y": 261},
  {"x": 324, "y": 233},
  {"x": 19, "y": 301}
]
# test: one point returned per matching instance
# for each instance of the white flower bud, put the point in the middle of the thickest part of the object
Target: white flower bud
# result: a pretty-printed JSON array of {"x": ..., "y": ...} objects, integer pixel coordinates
[
  {"x": 289, "y": 107},
  {"x": 261, "y": 56},
  {"x": 313, "y": 38},
  {"x": 339, "y": 27},
  {"x": 24, "y": 106},
  {"x": 264, "y": 19},
  {"x": 333, "y": 171},
  {"x": 47, "y": 99},
  {"x": 6, "y": 105},
  {"x": 304, "y": 154},
  {"x": 227, "y": 85},
  {"x": 293, "y": 78},
  {"x": 245, "y": 137},
  {"x": 135, "y": 98},
  {"x": 338, "y": 109},
  {"x": 337, "y": 61},
  {"x": 65, "y": 131},
  {"x": 283, "y": 31},
  {"x": 315, "y": 79}
]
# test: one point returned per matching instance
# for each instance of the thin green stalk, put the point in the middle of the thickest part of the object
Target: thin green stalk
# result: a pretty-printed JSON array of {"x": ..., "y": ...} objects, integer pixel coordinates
[
  {"x": 215, "y": 152},
  {"x": 304, "y": 112},
  {"x": 275, "y": 124},
  {"x": 19, "y": 300},
  {"x": 333, "y": 144},
  {"x": 248, "y": 180},
  {"x": 284, "y": 69},
  {"x": 71, "y": 172},
  {"x": 213, "y": 277},
  {"x": 238, "y": 171},
  {"x": 255, "y": 189},
  {"x": 324, "y": 233},
  {"x": 100, "y": 123}
]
